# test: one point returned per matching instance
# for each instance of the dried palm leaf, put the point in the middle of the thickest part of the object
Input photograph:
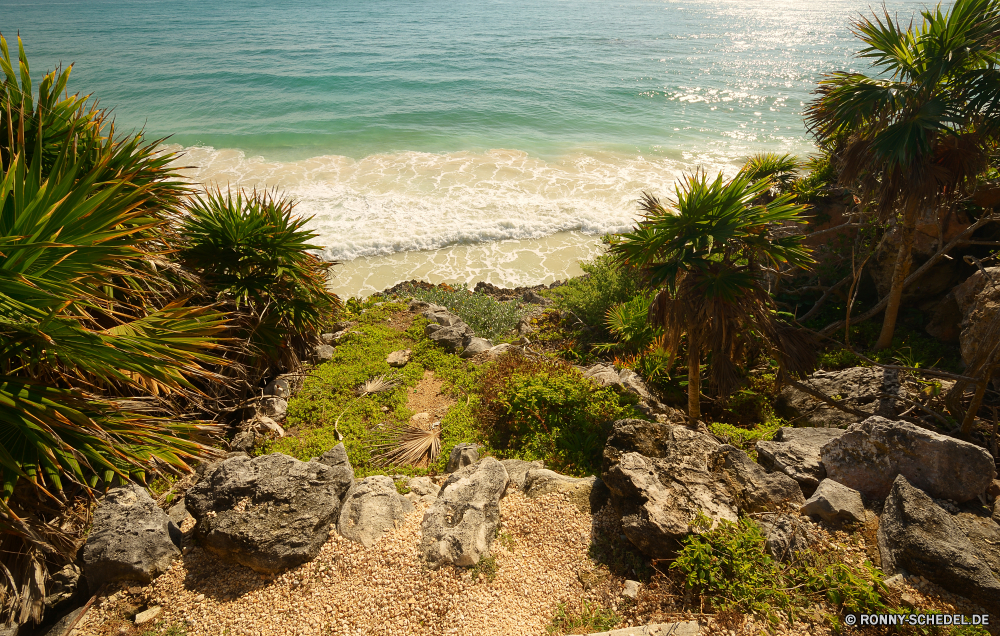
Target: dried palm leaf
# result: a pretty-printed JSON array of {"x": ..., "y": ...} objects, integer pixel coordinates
[
  {"x": 378, "y": 384},
  {"x": 415, "y": 445}
]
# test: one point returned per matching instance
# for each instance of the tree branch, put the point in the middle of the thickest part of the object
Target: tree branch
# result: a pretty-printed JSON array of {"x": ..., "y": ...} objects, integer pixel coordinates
[
  {"x": 819, "y": 395},
  {"x": 822, "y": 299}
]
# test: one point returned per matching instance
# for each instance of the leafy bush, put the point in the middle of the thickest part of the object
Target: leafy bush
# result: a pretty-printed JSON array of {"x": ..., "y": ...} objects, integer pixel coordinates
[
  {"x": 729, "y": 565},
  {"x": 536, "y": 408},
  {"x": 629, "y": 323},
  {"x": 252, "y": 252},
  {"x": 488, "y": 317},
  {"x": 590, "y": 297}
]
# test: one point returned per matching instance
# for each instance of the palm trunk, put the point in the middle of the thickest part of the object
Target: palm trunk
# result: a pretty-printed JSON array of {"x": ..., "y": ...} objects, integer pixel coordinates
[
  {"x": 694, "y": 375},
  {"x": 899, "y": 274}
]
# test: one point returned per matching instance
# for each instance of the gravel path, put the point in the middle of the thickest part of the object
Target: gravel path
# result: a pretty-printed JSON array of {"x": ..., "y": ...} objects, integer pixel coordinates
[{"x": 383, "y": 590}]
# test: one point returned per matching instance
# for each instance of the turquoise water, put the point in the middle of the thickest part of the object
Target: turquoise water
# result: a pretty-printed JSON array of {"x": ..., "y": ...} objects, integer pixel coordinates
[{"x": 408, "y": 125}]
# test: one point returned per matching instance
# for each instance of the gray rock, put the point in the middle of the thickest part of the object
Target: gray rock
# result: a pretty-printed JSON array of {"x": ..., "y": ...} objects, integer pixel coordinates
[
  {"x": 659, "y": 492},
  {"x": 371, "y": 508},
  {"x": 453, "y": 339},
  {"x": 131, "y": 539},
  {"x": 244, "y": 441},
  {"x": 503, "y": 347},
  {"x": 631, "y": 589},
  {"x": 476, "y": 345},
  {"x": 462, "y": 455},
  {"x": 423, "y": 486},
  {"x": 984, "y": 533},
  {"x": 274, "y": 407},
  {"x": 62, "y": 585},
  {"x": 602, "y": 374},
  {"x": 517, "y": 470},
  {"x": 535, "y": 299},
  {"x": 461, "y": 524},
  {"x": 978, "y": 300},
  {"x": 858, "y": 387},
  {"x": 795, "y": 452},
  {"x": 324, "y": 352},
  {"x": 870, "y": 455},
  {"x": 443, "y": 317},
  {"x": 917, "y": 536},
  {"x": 178, "y": 513},
  {"x": 524, "y": 327},
  {"x": 785, "y": 536},
  {"x": 579, "y": 490},
  {"x": 633, "y": 383},
  {"x": 278, "y": 387},
  {"x": 399, "y": 358},
  {"x": 328, "y": 338},
  {"x": 148, "y": 615},
  {"x": 753, "y": 488},
  {"x": 835, "y": 503},
  {"x": 268, "y": 513},
  {"x": 336, "y": 457},
  {"x": 685, "y": 628}
]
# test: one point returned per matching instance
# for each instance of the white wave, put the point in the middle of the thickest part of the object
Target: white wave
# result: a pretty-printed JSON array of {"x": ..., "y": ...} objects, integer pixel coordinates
[{"x": 412, "y": 201}]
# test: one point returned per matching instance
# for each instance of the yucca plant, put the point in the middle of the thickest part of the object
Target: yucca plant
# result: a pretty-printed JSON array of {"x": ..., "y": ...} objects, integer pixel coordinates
[
  {"x": 81, "y": 326},
  {"x": 254, "y": 254},
  {"x": 706, "y": 256}
]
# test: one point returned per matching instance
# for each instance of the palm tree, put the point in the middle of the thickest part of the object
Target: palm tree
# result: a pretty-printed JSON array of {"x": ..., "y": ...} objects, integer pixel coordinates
[
  {"x": 708, "y": 255},
  {"x": 922, "y": 126},
  {"x": 86, "y": 318}
]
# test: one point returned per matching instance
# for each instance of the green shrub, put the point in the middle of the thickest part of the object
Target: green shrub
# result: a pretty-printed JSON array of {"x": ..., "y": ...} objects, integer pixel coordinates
[
  {"x": 729, "y": 566},
  {"x": 628, "y": 322},
  {"x": 488, "y": 317},
  {"x": 253, "y": 253},
  {"x": 590, "y": 297},
  {"x": 536, "y": 408}
]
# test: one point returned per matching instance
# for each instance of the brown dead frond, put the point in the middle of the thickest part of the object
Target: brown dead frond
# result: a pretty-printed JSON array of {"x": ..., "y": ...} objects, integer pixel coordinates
[
  {"x": 378, "y": 384},
  {"x": 415, "y": 446}
]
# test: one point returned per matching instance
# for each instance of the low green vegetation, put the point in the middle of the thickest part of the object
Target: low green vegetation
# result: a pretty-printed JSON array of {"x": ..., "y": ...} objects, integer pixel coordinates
[
  {"x": 487, "y": 316},
  {"x": 589, "y": 617},
  {"x": 588, "y": 298},
  {"x": 486, "y": 568}
]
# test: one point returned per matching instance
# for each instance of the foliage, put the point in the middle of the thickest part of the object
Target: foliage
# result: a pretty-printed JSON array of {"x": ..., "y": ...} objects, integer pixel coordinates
[
  {"x": 591, "y": 617},
  {"x": 487, "y": 316},
  {"x": 778, "y": 170},
  {"x": 729, "y": 564},
  {"x": 629, "y": 323},
  {"x": 746, "y": 438},
  {"x": 84, "y": 319},
  {"x": 820, "y": 175},
  {"x": 536, "y": 408},
  {"x": 251, "y": 251},
  {"x": 486, "y": 568},
  {"x": 605, "y": 283}
]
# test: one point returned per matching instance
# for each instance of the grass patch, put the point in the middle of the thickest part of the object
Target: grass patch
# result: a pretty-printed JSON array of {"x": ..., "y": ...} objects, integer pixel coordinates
[
  {"x": 487, "y": 567},
  {"x": 488, "y": 317},
  {"x": 589, "y": 617}
]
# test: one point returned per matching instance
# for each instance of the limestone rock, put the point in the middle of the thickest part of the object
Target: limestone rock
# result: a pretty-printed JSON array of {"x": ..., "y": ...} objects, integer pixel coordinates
[
  {"x": 62, "y": 585},
  {"x": 631, "y": 589},
  {"x": 918, "y": 536},
  {"x": 370, "y": 508},
  {"x": 835, "y": 503},
  {"x": 131, "y": 539},
  {"x": 753, "y": 488},
  {"x": 978, "y": 299},
  {"x": 503, "y": 347},
  {"x": 795, "y": 452},
  {"x": 324, "y": 352},
  {"x": 476, "y": 345},
  {"x": 268, "y": 513},
  {"x": 462, "y": 455},
  {"x": 785, "y": 536},
  {"x": 336, "y": 457},
  {"x": 684, "y": 628},
  {"x": 244, "y": 441},
  {"x": 459, "y": 528},
  {"x": 144, "y": 617},
  {"x": 858, "y": 387},
  {"x": 178, "y": 513},
  {"x": 279, "y": 387},
  {"x": 870, "y": 455},
  {"x": 274, "y": 407},
  {"x": 579, "y": 490},
  {"x": 451, "y": 338},
  {"x": 423, "y": 486},
  {"x": 517, "y": 470},
  {"x": 535, "y": 298},
  {"x": 633, "y": 383},
  {"x": 399, "y": 358},
  {"x": 602, "y": 374},
  {"x": 443, "y": 317},
  {"x": 984, "y": 533}
]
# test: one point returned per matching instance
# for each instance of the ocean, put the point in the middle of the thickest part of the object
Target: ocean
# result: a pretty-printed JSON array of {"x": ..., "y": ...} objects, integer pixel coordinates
[{"x": 452, "y": 140}]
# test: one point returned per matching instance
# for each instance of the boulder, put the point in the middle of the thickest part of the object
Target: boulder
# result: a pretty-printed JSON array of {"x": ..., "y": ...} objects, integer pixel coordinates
[
  {"x": 453, "y": 339},
  {"x": 659, "y": 479},
  {"x": 870, "y": 455},
  {"x": 978, "y": 300},
  {"x": 517, "y": 470},
  {"x": 460, "y": 526},
  {"x": 587, "y": 493},
  {"x": 984, "y": 534},
  {"x": 178, "y": 513},
  {"x": 62, "y": 585},
  {"x": 244, "y": 441},
  {"x": 835, "y": 503},
  {"x": 268, "y": 513},
  {"x": 399, "y": 358},
  {"x": 633, "y": 383},
  {"x": 785, "y": 535},
  {"x": 535, "y": 298},
  {"x": 503, "y": 347},
  {"x": 753, "y": 488},
  {"x": 475, "y": 346},
  {"x": 336, "y": 457},
  {"x": 443, "y": 317},
  {"x": 370, "y": 508},
  {"x": 131, "y": 539},
  {"x": 274, "y": 407},
  {"x": 795, "y": 452},
  {"x": 279, "y": 387},
  {"x": 602, "y": 374},
  {"x": 423, "y": 486},
  {"x": 917, "y": 536},
  {"x": 860, "y": 388},
  {"x": 324, "y": 352},
  {"x": 462, "y": 455}
]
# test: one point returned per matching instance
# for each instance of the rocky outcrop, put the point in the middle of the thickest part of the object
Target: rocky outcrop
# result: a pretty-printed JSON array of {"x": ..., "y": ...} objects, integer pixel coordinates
[
  {"x": 870, "y": 455},
  {"x": 475, "y": 346},
  {"x": 517, "y": 470},
  {"x": 451, "y": 332},
  {"x": 861, "y": 388},
  {"x": 462, "y": 455},
  {"x": 268, "y": 513},
  {"x": 371, "y": 508},
  {"x": 423, "y": 486},
  {"x": 984, "y": 534},
  {"x": 460, "y": 526},
  {"x": 917, "y": 536},
  {"x": 659, "y": 479},
  {"x": 589, "y": 494},
  {"x": 978, "y": 299},
  {"x": 336, "y": 457},
  {"x": 785, "y": 535},
  {"x": 795, "y": 452},
  {"x": 835, "y": 503},
  {"x": 131, "y": 539},
  {"x": 753, "y": 488},
  {"x": 602, "y": 374}
]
